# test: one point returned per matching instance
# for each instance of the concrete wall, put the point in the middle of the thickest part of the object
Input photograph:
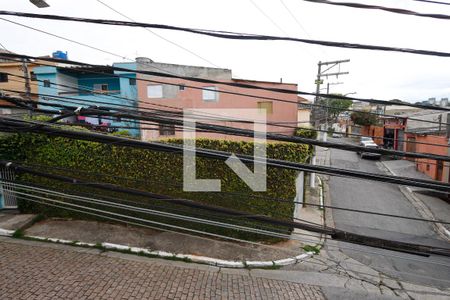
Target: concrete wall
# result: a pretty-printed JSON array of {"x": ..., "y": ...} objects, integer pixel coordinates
[
  {"x": 428, "y": 166},
  {"x": 303, "y": 117},
  {"x": 16, "y": 83},
  {"x": 120, "y": 86},
  {"x": 191, "y": 97}
]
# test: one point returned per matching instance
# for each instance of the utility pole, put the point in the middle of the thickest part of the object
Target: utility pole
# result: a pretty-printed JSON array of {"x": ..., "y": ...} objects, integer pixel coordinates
[
  {"x": 26, "y": 75},
  {"x": 323, "y": 73},
  {"x": 315, "y": 115}
]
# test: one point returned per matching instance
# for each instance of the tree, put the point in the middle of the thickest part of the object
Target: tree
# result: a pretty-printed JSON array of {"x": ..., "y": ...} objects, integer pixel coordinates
[
  {"x": 336, "y": 106},
  {"x": 363, "y": 118}
]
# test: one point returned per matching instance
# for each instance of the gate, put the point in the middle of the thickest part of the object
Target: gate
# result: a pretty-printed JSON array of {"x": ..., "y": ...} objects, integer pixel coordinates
[{"x": 7, "y": 195}]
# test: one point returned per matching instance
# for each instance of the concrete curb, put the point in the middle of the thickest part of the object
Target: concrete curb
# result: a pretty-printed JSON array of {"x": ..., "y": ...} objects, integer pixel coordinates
[
  {"x": 421, "y": 208},
  {"x": 169, "y": 255}
]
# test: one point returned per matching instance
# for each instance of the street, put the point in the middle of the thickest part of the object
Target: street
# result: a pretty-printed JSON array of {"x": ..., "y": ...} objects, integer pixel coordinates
[{"x": 385, "y": 198}]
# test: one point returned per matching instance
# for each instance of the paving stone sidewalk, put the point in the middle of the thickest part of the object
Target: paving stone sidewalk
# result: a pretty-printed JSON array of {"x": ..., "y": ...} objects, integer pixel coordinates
[{"x": 44, "y": 271}]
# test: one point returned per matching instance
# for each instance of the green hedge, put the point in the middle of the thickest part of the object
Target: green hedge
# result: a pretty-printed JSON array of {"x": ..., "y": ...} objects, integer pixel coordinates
[{"x": 157, "y": 172}]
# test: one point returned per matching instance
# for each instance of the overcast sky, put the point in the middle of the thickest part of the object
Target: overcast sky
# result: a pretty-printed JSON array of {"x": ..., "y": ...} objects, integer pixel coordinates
[{"x": 373, "y": 74}]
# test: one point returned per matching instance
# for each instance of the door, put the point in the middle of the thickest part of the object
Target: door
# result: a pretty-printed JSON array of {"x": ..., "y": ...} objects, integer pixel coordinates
[{"x": 7, "y": 195}]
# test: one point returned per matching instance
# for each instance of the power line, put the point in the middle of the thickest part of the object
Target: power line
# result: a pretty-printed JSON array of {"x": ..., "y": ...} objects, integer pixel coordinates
[
  {"x": 159, "y": 36},
  {"x": 268, "y": 17},
  {"x": 239, "y": 240},
  {"x": 433, "y": 2},
  {"x": 220, "y": 91},
  {"x": 384, "y": 8},
  {"x": 335, "y": 234},
  {"x": 227, "y": 34},
  {"x": 210, "y": 81},
  {"x": 275, "y": 124},
  {"x": 10, "y": 124},
  {"x": 243, "y": 132},
  {"x": 265, "y": 198},
  {"x": 227, "y": 92},
  {"x": 295, "y": 18}
]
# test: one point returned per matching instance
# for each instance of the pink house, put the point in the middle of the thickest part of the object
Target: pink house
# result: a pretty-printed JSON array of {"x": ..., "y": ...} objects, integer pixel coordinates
[{"x": 174, "y": 94}]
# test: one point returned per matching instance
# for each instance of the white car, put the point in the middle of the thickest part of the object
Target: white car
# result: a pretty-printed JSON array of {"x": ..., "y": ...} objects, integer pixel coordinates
[{"x": 367, "y": 142}]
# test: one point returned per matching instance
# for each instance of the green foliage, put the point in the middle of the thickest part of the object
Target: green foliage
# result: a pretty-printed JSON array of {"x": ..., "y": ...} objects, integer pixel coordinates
[
  {"x": 19, "y": 233},
  {"x": 309, "y": 248},
  {"x": 156, "y": 172},
  {"x": 363, "y": 118},
  {"x": 336, "y": 106},
  {"x": 308, "y": 133}
]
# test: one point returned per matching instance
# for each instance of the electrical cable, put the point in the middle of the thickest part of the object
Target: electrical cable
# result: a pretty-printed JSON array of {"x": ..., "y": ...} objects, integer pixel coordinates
[
  {"x": 159, "y": 36},
  {"x": 240, "y": 94},
  {"x": 221, "y": 217},
  {"x": 221, "y": 155},
  {"x": 245, "y": 241},
  {"x": 265, "y": 198},
  {"x": 433, "y": 2},
  {"x": 226, "y": 34},
  {"x": 210, "y": 81},
  {"x": 383, "y": 8},
  {"x": 335, "y": 234},
  {"x": 250, "y": 133}
]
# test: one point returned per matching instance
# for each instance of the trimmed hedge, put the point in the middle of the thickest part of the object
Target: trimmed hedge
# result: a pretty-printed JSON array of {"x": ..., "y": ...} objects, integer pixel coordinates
[{"x": 157, "y": 172}]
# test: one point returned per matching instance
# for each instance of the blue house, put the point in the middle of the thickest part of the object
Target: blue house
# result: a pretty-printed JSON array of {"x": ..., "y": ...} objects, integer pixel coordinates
[{"x": 91, "y": 86}]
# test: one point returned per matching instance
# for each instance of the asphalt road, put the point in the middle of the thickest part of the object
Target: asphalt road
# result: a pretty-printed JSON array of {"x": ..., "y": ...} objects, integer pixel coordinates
[{"x": 386, "y": 198}]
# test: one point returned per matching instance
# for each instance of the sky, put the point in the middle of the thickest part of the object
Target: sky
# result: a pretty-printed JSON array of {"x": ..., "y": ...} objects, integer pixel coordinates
[{"x": 373, "y": 74}]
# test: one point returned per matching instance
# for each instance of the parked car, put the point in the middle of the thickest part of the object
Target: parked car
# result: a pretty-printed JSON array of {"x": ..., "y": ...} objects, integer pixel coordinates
[
  {"x": 336, "y": 134},
  {"x": 367, "y": 142}
]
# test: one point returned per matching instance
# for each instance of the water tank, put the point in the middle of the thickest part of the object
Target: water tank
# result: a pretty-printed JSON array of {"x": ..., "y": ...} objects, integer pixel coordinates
[
  {"x": 444, "y": 102},
  {"x": 143, "y": 60},
  {"x": 60, "y": 55}
]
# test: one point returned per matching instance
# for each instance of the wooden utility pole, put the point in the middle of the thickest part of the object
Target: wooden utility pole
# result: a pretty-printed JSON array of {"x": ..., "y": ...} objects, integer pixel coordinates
[{"x": 26, "y": 75}]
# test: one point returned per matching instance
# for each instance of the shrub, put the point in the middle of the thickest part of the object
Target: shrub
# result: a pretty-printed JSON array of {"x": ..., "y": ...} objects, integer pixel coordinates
[{"x": 156, "y": 172}]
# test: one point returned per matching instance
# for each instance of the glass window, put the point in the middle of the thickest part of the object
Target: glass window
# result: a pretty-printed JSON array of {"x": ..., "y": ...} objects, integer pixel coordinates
[
  {"x": 182, "y": 87},
  {"x": 132, "y": 81},
  {"x": 210, "y": 94},
  {"x": 100, "y": 87},
  {"x": 155, "y": 91},
  {"x": 33, "y": 76},
  {"x": 166, "y": 129},
  {"x": 266, "y": 106},
  {"x": 3, "y": 77},
  {"x": 46, "y": 83}
]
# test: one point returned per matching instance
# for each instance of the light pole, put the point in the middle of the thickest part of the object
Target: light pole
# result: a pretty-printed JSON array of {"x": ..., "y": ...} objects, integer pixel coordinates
[{"x": 40, "y": 3}]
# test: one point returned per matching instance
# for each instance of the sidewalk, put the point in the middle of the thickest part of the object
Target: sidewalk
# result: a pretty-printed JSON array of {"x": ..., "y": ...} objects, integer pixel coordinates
[
  {"x": 428, "y": 206},
  {"x": 36, "y": 270}
]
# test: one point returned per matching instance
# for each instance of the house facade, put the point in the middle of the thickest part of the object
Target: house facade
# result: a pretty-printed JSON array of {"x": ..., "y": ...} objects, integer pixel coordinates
[
  {"x": 92, "y": 86},
  {"x": 435, "y": 137},
  {"x": 178, "y": 94},
  {"x": 9, "y": 68}
]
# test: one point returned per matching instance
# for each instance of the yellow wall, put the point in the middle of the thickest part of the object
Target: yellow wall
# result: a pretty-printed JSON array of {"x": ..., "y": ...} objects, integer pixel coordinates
[{"x": 13, "y": 84}]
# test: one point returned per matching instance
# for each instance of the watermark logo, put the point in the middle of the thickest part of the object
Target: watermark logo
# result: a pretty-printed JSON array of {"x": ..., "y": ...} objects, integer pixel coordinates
[{"x": 256, "y": 179}]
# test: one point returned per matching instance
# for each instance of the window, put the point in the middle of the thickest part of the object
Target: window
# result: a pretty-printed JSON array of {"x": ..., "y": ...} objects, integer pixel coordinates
[
  {"x": 181, "y": 87},
  {"x": 100, "y": 87},
  {"x": 46, "y": 83},
  {"x": 210, "y": 94},
  {"x": 3, "y": 77},
  {"x": 166, "y": 129},
  {"x": 155, "y": 91},
  {"x": 266, "y": 106},
  {"x": 33, "y": 76},
  {"x": 132, "y": 81}
]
